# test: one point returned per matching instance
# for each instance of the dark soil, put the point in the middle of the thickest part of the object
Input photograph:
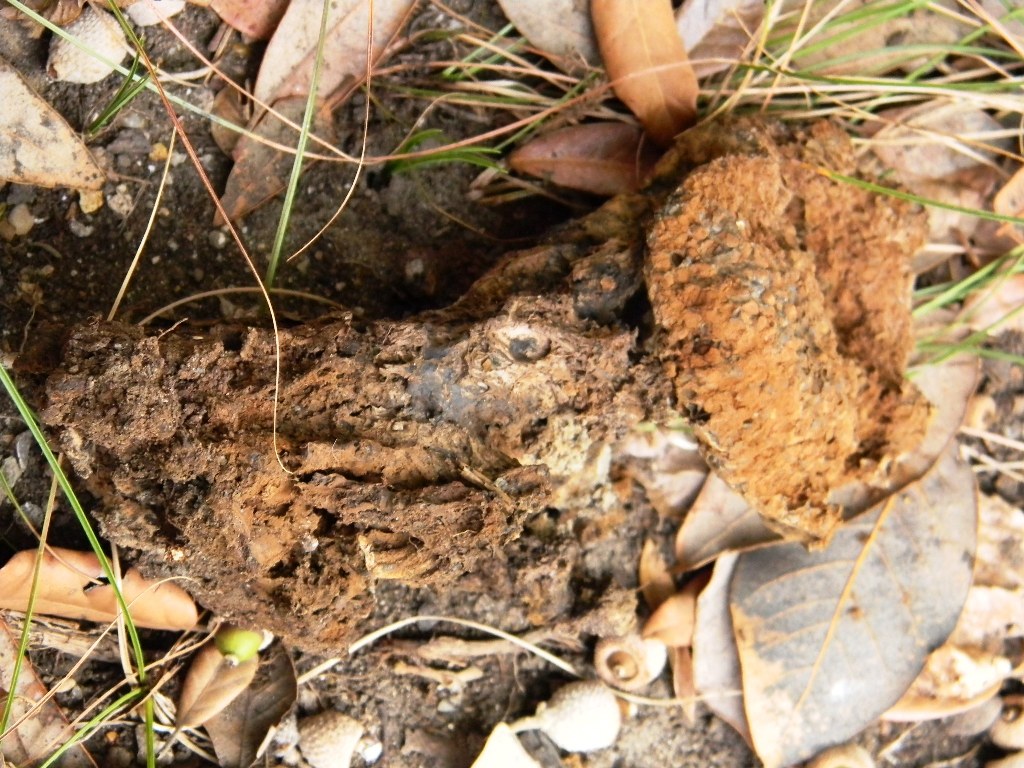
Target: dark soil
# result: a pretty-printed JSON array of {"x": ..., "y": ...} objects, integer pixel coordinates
[{"x": 434, "y": 469}]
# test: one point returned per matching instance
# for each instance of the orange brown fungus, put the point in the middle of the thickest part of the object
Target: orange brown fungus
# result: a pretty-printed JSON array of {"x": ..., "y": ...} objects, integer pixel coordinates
[{"x": 784, "y": 303}]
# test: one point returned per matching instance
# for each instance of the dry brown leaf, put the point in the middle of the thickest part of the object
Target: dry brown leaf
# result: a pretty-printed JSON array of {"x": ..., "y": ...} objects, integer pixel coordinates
[
  {"x": 560, "y": 29},
  {"x": 1009, "y": 201},
  {"x": 240, "y": 728},
  {"x": 212, "y": 683},
  {"x": 287, "y": 68},
  {"x": 284, "y": 81},
  {"x": 257, "y": 20},
  {"x": 228, "y": 105},
  {"x": 37, "y": 146},
  {"x": 647, "y": 63},
  {"x": 656, "y": 582},
  {"x": 683, "y": 685},
  {"x": 672, "y": 623},
  {"x": 599, "y": 158},
  {"x": 46, "y": 728},
  {"x": 260, "y": 170},
  {"x": 67, "y": 588}
]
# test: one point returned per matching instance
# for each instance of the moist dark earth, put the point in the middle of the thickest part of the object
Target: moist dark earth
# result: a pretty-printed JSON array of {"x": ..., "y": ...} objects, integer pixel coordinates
[{"x": 408, "y": 245}]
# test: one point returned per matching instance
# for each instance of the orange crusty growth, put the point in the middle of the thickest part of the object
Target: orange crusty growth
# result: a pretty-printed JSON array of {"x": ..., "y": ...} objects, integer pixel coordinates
[{"x": 784, "y": 303}]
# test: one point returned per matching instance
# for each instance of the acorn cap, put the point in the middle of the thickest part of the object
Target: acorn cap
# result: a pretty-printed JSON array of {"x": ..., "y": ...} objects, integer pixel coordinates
[
  {"x": 98, "y": 31},
  {"x": 580, "y": 717},
  {"x": 329, "y": 739}
]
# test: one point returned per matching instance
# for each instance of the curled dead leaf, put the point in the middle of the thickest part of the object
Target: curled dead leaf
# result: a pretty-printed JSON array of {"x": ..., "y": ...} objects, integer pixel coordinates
[
  {"x": 68, "y": 587},
  {"x": 647, "y": 63},
  {"x": 213, "y": 681},
  {"x": 656, "y": 582},
  {"x": 504, "y": 750},
  {"x": 673, "y": 621}
]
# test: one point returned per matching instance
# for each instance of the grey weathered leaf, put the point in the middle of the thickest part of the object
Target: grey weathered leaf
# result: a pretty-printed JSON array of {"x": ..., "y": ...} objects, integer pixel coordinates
[
  {"x": 716, "y": 664},
  {"x": 719, "y": 520},
  {"x": 37, "y": 146},
  {"x": 829, "y": 640},
  {"x": 559, "y": 28},
  {"x": 287, "y": 68},
  {"x": 717, "y": 32},
  {"x": 239, "y": 729}
]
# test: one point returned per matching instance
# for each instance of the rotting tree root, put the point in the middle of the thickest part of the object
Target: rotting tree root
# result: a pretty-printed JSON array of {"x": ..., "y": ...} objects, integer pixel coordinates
[{"x": 417, "y": 450}]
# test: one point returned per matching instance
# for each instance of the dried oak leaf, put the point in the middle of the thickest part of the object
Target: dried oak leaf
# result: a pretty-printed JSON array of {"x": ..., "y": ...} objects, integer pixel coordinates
[{"x": 785, "y": 303}]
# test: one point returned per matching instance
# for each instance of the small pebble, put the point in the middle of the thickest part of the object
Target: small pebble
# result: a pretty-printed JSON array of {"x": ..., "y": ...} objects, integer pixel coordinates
[
  {"x": 21, "y": 219},
  {"x": 90, "y": 201},
  {"x": 80, "y": 228},
  {"x": 218, "y": 238},
  {"x": 120, "y": 201},
  {"x": 24, "y": 445}
]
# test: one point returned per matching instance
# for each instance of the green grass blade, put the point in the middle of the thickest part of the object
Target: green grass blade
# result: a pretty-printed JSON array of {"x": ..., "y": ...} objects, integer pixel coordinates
[{"x": 300, "y": 152}]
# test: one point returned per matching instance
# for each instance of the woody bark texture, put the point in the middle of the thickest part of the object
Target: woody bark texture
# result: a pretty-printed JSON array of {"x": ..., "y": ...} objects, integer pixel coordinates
[{"x": 416, "y": 451}]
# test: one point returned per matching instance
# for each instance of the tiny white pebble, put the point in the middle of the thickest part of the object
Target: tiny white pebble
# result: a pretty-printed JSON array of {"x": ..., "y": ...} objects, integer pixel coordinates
[{"x": 21, "y": 219}]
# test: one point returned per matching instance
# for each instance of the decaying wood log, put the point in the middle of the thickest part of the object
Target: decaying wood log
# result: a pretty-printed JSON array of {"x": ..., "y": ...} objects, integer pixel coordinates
[{"x": 416, "y": 450}]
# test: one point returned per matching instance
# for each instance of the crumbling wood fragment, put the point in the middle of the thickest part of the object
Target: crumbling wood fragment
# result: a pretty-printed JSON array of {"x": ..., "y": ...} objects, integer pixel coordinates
[
  {"x": 408, "y": 458},
  {"x": 415, "y": 450}
]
